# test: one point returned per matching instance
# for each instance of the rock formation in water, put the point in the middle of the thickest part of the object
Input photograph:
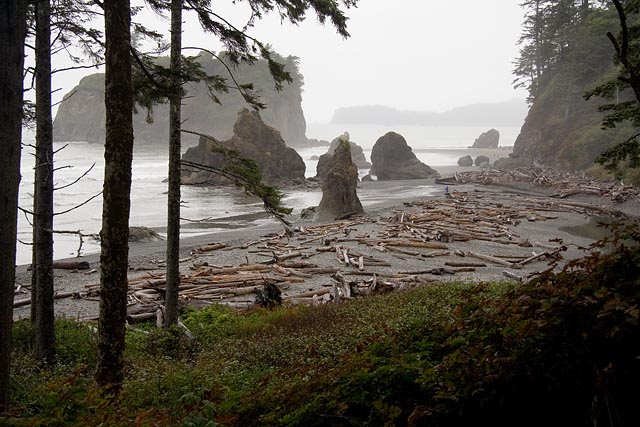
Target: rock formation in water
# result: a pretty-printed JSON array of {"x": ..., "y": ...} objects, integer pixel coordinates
[
  {"x": 393, "y": 159},
  {"x": 465, "y": 161},
  {"x": 253, "y": 139},
  {"x": 339, "y": 196},
  {"x": 489, "y": 139},
  {"x": 482, "y": 161},
  {"x": 357, "y": 155},
  {"x": 81, "y": 117}
]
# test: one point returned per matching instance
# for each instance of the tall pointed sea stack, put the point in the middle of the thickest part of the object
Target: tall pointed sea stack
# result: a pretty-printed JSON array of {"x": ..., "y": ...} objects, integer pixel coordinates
[{"x": 339, "y": 195}]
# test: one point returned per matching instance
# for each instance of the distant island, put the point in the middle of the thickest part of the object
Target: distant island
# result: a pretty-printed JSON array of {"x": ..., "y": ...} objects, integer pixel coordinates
[{"x": 507, "y": 113}]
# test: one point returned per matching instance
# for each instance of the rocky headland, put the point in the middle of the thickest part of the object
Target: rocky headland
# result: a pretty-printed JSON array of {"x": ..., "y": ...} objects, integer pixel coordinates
[{"x": 81, "y": 115}]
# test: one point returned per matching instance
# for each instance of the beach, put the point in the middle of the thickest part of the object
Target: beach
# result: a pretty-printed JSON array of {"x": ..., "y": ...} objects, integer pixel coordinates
[{"x": 544, "y": 233}]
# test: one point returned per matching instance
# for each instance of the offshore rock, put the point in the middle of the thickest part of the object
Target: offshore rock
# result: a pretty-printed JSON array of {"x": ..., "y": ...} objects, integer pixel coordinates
[
  {"x": 357, "y": 155},
  {"x": 339, "y": 196},
  {"x": 252, "y": 139},
  {"x": 465, "y": 161},
  {"x": 489, "y": 139},
  {"x": 393, "y": 159},
  {"x": 482, "y": 161}
]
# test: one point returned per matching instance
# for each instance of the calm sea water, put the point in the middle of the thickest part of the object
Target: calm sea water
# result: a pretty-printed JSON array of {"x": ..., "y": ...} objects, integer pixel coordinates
[{"x": 222, "y": 207}]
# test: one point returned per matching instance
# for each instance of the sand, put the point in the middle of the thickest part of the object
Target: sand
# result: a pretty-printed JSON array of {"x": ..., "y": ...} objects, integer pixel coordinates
[{"x": 392, "y": 196}]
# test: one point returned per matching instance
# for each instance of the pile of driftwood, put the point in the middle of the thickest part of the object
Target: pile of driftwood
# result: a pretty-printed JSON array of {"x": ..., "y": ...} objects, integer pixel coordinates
[
  {"x": 331, "y": 262},
  {"x": 567, "y": 184},
  {"x": 423, "y": 230}
]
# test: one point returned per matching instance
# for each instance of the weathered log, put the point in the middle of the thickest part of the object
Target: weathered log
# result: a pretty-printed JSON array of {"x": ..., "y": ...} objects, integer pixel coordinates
[
  {"x": 212, "y": 247},
  {"x": 435, "y": 254},
  {"x": 71, "y": 265},
  {"x": 493, "y": 259},
  {"x": 534, "y": 257},
  {"x": 27, "y": 301},
  {"x": 403, "y": 251},
  {"x": 141, "y": 317},
  {"x": 284, "y": 257},
  {"x": 318, "y": 292}
]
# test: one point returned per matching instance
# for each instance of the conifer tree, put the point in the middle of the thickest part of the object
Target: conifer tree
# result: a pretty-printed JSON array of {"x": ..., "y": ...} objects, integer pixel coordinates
[
  {"x": 12, "y": 35},
  {"x": 119, "y": 140},
  {"x": 626, "y": 46}
]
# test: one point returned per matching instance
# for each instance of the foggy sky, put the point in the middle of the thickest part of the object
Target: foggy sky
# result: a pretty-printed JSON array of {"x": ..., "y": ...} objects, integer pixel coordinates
[{"x": 423, "y": 55}]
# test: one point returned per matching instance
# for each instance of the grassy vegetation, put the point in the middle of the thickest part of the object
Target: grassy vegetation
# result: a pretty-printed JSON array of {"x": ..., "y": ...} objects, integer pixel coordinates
[{"x": 560, "y": 350}]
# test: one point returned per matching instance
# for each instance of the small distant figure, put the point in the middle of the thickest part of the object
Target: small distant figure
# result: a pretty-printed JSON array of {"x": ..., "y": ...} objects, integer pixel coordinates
[{"x": 446, "y": 190}]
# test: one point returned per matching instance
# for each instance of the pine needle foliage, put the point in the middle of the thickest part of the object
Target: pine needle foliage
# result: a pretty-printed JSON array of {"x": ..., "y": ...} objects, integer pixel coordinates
[{"x": 626, "y": 46}]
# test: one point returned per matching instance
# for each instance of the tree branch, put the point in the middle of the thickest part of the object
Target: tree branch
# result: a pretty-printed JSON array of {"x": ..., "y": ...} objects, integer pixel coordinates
[
  {"x": 78, "y": 206},
  {"x": 78, "y": 179},
  {"x": 77, "y": 67}
]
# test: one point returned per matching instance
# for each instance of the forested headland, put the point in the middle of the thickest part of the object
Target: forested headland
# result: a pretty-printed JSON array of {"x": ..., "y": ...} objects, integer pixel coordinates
[
  {"x": 565, "y": 55},
  {"x": 80, "y": 116}
]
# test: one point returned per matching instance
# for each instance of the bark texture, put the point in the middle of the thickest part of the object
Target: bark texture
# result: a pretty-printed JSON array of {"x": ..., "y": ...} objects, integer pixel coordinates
[
  {"x": 173, "y": 199},
  {"x": 43, "y": 191},
  {"x": 118, "y": 155},
  {"x": 12, "y": 34}
]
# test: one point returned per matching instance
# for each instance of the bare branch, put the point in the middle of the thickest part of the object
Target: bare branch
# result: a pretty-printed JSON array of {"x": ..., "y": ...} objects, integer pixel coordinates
[
  {"x": 77, "y": 179},
  {"x": 77, "y": 67},
  {"x": 60, "y": 149},
  {"x": 78, "y": 206},
  {"x": 80, "y": 235}
]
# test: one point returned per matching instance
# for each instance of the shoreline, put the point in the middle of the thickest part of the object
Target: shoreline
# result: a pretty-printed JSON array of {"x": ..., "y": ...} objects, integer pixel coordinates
[{"x": 149, "y": 257}]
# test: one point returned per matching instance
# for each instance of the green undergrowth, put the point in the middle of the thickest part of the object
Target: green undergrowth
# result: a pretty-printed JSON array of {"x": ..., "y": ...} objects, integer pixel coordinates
[{"x": 562, "y": 349}]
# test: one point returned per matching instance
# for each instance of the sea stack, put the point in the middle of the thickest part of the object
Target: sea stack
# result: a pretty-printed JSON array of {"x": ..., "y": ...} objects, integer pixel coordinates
[
  {"x": 489, "y": 139},
  {"x": 339, "y": 196},
  {"x": 357, "y": 155},
  {"x": 253, "y": 139},
  {"x": 393, "y": 159}
]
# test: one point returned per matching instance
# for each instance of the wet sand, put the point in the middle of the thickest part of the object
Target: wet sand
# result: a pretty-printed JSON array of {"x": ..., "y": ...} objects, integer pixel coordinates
[{"x": 381, "y": 200}]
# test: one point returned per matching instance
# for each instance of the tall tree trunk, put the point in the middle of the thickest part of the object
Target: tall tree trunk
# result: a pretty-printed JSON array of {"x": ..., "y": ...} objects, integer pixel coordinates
[
  {"x": 43, "y": 195},
  {"x": 173, "y": 199},
  {"x": 118, "y": 156},
  {"x": 12, "y": 33},
  {"x": 34, "y": 283}
]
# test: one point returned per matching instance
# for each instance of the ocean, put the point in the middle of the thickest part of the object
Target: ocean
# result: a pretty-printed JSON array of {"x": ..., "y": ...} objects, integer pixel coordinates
[{"x": 205, "y": 209}]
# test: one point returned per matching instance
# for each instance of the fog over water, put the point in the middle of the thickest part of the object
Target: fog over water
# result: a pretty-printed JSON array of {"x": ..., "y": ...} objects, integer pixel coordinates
[
  {"x": 224, "y": 206},
  {"x": 407, "y": 54}
]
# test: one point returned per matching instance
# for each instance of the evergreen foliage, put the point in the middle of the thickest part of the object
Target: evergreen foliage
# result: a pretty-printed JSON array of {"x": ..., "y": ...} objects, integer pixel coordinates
[
  {"x": 562, "y": 130},
  {"x": 626, "y": 59},
  {"x": 244, "y": 173}
]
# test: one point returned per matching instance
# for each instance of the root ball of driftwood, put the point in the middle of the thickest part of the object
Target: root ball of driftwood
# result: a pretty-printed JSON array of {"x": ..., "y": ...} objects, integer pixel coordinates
[{"x": 269, "y": 296}]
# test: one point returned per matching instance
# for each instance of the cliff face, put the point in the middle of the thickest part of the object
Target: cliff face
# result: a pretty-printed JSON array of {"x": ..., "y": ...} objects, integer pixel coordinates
[
  {"x": 80, "y": 116},
  {"x": 562, "y": 129}
]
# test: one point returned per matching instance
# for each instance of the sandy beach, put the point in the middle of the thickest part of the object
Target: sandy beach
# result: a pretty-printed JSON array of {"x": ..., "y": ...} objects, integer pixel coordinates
[{"x": 544, "y": 230}]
